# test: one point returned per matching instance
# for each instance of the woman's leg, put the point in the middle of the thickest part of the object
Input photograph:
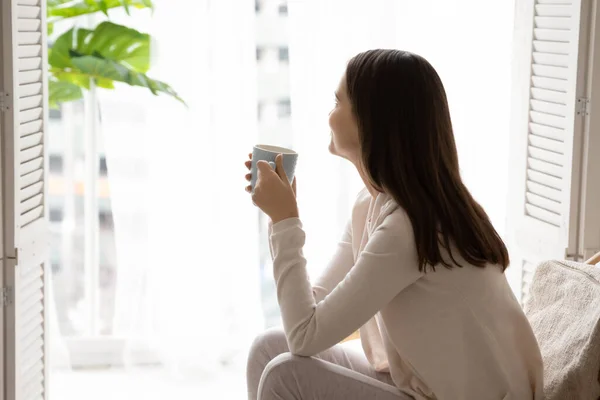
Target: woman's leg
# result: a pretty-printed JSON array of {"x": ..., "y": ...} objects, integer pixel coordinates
[
  {"x": 273, "y": 343},
  {"x": 290, "y": 377}
]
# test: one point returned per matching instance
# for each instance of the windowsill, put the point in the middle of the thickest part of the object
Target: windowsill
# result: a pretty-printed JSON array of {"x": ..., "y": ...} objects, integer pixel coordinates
[{"x": 106, "y": 352}]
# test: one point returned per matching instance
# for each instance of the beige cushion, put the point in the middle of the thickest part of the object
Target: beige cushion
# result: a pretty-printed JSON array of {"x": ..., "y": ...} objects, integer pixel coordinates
[{"x": 564, "y": 311}]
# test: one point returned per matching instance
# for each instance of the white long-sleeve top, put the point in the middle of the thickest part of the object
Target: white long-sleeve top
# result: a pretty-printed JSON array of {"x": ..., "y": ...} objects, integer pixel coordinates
[{"x": 449, "y": 334}]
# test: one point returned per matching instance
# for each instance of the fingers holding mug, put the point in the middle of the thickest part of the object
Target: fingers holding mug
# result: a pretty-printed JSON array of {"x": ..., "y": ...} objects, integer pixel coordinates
[{"x": 248, "y": 176}]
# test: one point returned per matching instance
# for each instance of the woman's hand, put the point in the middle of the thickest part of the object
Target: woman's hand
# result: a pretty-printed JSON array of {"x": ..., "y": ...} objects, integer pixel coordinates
[{"x": 273, "y": 193}]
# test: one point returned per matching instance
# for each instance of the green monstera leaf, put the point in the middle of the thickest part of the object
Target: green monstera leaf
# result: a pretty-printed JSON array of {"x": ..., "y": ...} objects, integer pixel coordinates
[
  {"x": 62, "y": 92},
  {"x": 62, "y": 9},
  {"x": 107, "y": 54}
]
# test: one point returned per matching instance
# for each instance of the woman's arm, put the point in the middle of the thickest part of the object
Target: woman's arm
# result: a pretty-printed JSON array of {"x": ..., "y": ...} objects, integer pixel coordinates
[
  {"x": 386, "y": 266},
  {"x": 339, "y": 265}
]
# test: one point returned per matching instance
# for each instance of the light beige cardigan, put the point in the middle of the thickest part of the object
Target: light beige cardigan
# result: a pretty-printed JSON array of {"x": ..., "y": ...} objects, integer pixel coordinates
[{"x": 450, "y": 334}]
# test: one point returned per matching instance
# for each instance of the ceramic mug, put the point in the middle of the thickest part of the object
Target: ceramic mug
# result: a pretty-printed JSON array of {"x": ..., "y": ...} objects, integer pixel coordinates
[{"x": 269, "y": 153}]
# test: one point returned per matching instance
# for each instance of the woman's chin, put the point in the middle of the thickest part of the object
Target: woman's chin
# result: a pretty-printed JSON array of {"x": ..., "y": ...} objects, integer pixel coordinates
[{"x": 332, "y": 148}]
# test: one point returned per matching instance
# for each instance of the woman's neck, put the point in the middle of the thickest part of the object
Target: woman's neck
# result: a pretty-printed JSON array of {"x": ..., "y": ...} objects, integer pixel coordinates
[{"x": 363, "y": 175}]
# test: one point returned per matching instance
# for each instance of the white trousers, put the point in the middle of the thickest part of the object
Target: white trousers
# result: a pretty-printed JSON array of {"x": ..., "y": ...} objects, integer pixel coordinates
[{"x": 340, "y": 372}]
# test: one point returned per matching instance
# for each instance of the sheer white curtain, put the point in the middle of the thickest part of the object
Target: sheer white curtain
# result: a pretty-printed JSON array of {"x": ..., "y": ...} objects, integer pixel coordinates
[
  {"x": 188, "y": 280},
  {"x": 467, "y": 41}
]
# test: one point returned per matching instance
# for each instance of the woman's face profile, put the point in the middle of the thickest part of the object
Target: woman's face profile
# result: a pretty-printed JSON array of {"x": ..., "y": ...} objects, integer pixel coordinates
[{"x": 344, "y": 129}]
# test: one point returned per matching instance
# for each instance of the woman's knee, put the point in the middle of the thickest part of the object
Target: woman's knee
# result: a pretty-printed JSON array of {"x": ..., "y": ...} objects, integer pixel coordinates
[
  {"x": 268, "y": 344},
  {"x": 278, "y": 376}
]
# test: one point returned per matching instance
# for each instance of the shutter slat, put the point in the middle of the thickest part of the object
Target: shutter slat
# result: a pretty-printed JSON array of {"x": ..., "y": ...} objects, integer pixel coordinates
[
  {"x": 30, "y": 352},
  {"x": 31, "y": 190},
  {"x": 31, "y": 140},
  {"x": 549, "y": 108},
  {"x": 545, "y": 155},
  {"x": 558, "y": 60},
  {"x": 32, "y": 336},
  {"x": 560, "y": 85},
  {"x": 30, "y": 288},
  {"x": 33, "y": 388},
  {"x": 31, "y": 203},
  {"x": 547, "y": 132},
  {"x": 31, "y": 89},
  {"x": 30, "y": 306},
  {"x": 553, "y": 23},
  {"x": 34, "y": 50},
  {"x": 32, "y": 323},
  {"x": 30, "y": 115},
  {"x": 544, "y": 202},
  {"x": 31, "y": 216},
  {"x": 542, "y": 215},
  {"x": 553, "y": 10},
  {"x": 33, "y": 374},
  {"x": 545, "y": 167},
  {"x": 549, "y": 95},
  {"x": 28, "y": 25},
  {"x": 30, "y": 102},
  {"x": 544, "y": 179},
  {"x": 549, "y": 71},
  {"x": 544, "y": 46},
  {"x": 30, "y": 359},
  {"x": 544, "y": 191},
  {"x": 27, "y": 38},
  {"x": 30, "y": 275},
  {"x": 30, "y": 154},
  {"x": 547, "y": 144},
  {"x": 552, "y": 35},
  {"x": 548, "y": 119},
  {"x": 34, "y": 76},
  {"x": 32, "y": 177},
  {"x": 27, "y": 64},
  {"x": 28, "y": 2},
  {"x": 563, "y": 2},
  {"x": 38, "y": 395},
  {"x": 26, "y": 11},
  {"x": 31, "y": 172},
  {"x": 30, "y": 127}
]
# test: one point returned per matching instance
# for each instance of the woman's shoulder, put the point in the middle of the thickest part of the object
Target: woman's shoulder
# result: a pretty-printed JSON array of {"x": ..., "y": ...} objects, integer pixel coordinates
[
  {"x": 363, "y": 197},
  {"x": 361, "y": 207}
]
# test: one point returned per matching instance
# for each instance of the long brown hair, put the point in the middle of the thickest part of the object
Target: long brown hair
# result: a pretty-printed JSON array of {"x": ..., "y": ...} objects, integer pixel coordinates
[{"x": 408, "y": 151}]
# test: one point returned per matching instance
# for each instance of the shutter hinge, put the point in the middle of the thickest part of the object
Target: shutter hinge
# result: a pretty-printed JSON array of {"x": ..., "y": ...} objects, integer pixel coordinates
[
  {"x": 15, "y": 258},
  {"x": 583, "y": 106},
  {"x": 4, "y": 102},
  {"x": 6, "y": 296}
]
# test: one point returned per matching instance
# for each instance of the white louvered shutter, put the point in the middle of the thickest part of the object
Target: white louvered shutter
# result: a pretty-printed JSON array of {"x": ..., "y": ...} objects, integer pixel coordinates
[
  {"x": 24, "y": 227},
  {"x": 548, "y": 100}
]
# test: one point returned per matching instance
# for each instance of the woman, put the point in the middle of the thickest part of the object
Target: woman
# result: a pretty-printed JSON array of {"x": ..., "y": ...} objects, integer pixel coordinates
[{"x": 419, "y": 270}]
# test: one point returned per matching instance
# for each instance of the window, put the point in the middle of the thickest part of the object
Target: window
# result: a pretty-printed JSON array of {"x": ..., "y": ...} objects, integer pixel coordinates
[
  {"x": 105, "y": 219},
  {"x": 55, "y": 214},
  {"x": 54, "y": 113},
  {"x": 103, "y": 167},
  {"x": 259, "y": 110},
  {"x": 55, "y": 163},
  {"x": 284, "y": 108},
  {"x": 284, "y": 54},
  {"x": 56, "y": 267},
  {"x": 283, "y": 9}
]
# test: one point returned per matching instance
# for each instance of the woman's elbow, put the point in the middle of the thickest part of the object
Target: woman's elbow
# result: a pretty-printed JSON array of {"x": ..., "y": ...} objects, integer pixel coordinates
[{"x": 300, "y": 347}]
